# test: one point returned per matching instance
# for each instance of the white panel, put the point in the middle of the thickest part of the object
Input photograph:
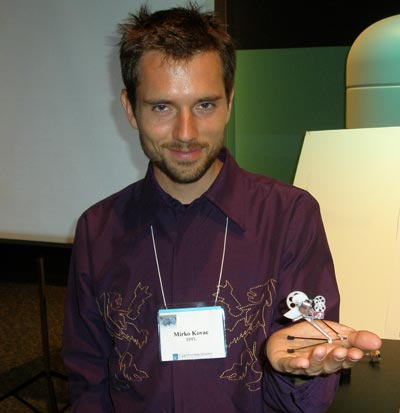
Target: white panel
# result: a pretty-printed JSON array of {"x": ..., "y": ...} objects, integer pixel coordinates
[
  {"x": 64, "y": 140},
  {"x": 355, "y": 176}
]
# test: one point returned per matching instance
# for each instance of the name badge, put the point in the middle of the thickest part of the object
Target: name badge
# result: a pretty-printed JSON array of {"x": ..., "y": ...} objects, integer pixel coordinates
[{"x": 192, "y": 333}]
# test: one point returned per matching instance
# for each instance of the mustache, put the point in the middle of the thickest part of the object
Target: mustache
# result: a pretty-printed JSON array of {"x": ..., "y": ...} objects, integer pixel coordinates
[{"x": 184, "y": 146}]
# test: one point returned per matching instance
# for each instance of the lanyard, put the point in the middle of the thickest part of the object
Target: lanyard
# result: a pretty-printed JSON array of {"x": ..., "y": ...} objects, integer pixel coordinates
[{"x": 220, "y": 272}]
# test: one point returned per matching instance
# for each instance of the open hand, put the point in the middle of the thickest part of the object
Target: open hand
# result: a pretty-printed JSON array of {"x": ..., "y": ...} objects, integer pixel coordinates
[{"x": 321, "y": 358}]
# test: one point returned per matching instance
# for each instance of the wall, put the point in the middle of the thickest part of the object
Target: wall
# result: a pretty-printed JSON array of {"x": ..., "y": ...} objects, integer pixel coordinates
[
  {"x": 280, "y": 94},
  {"x": 354, "y": 175},
  {"x": 64, "y": 139}
]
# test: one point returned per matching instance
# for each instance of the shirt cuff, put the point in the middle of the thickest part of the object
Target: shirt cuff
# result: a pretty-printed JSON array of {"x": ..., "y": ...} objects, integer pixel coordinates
[{"x": 315, "y": 395}]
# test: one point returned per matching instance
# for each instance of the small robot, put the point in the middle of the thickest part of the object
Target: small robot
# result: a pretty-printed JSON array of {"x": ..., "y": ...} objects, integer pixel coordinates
[{"x": 309, "y": 309}]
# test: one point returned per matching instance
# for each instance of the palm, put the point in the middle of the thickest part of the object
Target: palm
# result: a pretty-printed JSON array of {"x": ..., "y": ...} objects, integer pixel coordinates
[{"x": 312, "y": 358}]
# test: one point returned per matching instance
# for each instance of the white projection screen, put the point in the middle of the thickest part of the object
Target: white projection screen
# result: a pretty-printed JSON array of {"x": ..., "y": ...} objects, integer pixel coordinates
[
  {"x": 64, "y": 139},
  {"x": 355, "y": 176}
]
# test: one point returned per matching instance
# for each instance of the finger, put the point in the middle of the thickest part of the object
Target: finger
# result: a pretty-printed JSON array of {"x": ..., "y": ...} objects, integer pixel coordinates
[
  {"x": 317, "y": 361},
  {"x": 364, "y": 340},
  {"x": 327, "y": 360},
  {"x": 341, "y": 357},
  {"x": 354, "y": 355},
  {"x": 294, "y": 365},
  {"x": 312, "y": 365}
]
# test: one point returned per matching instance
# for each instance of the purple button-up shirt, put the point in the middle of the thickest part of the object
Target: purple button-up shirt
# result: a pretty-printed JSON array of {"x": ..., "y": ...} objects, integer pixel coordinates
[{"x": 275, "y": 244}]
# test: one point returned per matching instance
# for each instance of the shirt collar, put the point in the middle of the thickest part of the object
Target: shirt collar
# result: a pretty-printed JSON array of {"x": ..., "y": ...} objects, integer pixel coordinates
[{"x": 226, "y": 192}]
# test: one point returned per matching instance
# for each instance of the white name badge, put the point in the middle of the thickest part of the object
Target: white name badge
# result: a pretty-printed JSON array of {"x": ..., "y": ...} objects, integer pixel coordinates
[{"x": 192, "y": 333}]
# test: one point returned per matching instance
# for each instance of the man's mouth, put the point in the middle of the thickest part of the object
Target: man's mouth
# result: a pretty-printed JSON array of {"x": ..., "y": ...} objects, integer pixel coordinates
[{"x": 188, "y": 153}]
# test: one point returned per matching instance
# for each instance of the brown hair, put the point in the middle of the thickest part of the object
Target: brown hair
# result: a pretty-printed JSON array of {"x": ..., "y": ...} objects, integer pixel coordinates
[{"x": 179, "y": 33}]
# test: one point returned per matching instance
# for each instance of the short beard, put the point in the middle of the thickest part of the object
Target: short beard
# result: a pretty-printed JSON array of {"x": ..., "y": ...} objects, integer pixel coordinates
[{"x": 175, "y": 174}]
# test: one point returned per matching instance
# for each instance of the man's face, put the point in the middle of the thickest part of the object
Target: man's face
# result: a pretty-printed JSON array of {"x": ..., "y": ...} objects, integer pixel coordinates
[{"x": 181, "y": 112}]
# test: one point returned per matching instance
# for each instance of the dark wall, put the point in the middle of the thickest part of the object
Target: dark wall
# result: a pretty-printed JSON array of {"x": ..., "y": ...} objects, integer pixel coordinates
[
  {"x": 282, "y": 24},
  {"x": 290, "y": 74},
  {"x": 19, "y": 261}
]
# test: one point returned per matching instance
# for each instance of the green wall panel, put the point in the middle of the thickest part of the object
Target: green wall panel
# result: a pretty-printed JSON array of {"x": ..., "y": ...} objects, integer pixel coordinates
[{"x": 279, "y": 95}]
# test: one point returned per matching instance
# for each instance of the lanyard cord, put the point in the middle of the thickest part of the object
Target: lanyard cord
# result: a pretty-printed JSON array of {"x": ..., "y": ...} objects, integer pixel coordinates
[
  {"x": 222, "y": 262},
  {"x": 158, "y": 266},
  {"x": 220, "y": 273}
]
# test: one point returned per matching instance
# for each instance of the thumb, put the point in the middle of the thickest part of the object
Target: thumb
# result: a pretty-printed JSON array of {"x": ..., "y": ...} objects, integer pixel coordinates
[{"x": 364, "y": 340}]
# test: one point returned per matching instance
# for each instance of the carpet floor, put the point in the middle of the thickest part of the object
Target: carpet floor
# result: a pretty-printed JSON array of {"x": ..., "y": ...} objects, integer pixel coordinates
[{"x": 21, "y": 345}]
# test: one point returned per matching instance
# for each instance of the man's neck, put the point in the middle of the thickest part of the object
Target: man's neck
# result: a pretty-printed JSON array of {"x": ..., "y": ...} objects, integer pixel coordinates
[{"x": 187, "y": 193}]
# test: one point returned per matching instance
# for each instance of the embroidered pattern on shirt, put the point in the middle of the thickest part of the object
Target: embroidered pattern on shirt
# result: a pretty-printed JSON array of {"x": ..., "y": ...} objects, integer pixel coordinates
[
  {"x": 242, "y": 327},
  {"x": 121, "y": 324}
]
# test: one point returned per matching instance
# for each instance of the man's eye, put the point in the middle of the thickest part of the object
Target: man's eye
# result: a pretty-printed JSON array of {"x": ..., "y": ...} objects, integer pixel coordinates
[
  {"x": 206, "y": 105},
  {"x": 160, "y": 108}
]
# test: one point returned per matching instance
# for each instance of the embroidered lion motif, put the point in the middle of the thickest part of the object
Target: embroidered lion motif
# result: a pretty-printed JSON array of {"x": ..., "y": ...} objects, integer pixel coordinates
[
  {"x": 121, "y": 323},
  {"x": 244, "y": 322}
]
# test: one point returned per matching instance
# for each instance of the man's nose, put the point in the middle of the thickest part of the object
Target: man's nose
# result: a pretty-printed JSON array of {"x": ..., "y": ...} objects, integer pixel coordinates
[{"x": 186, "y": 126}]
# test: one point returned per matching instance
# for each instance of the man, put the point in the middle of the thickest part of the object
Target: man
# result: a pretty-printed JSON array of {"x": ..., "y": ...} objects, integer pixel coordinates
[{"x": 200, "y": 240}]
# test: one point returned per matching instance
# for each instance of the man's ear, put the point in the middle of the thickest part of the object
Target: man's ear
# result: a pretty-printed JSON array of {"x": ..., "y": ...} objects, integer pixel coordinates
[{"x": 130, "y": 114}]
